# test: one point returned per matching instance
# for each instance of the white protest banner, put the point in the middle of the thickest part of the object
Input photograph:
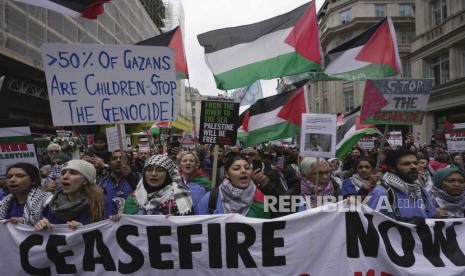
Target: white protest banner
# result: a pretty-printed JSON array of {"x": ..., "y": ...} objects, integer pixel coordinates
[
  {"x": 323, "y": 241},
  {"x": 144, "y": 143},
  {"x": 455, "y": 141},
  {"x": 395, "y": 138},
  {"x": 318, "y": 135},
  {"x": 367, "y": 142},
  {"x": 15, "y": 145},
  {"x": 113, "y": 138},
  {"x": 102, "y": 84},
  {"x": 64, "y": 133}
]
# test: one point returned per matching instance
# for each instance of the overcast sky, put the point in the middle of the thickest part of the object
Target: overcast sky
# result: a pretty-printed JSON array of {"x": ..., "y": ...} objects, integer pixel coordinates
[{"x": 206, "y": 15}]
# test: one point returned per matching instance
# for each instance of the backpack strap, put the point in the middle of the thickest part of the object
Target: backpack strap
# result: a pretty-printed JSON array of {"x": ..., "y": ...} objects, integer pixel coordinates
[{"x": 212, "y": 200}]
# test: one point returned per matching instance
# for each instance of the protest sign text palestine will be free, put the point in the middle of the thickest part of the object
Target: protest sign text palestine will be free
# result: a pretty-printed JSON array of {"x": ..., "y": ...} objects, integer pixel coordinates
[{"x": 218, "y": 122}]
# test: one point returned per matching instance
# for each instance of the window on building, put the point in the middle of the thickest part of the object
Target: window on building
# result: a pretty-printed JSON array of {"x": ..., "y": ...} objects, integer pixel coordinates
[
  {"x": 380, "y": 10},
  {"x": 406, "y": 68},
  {"x": 462, "y": 60},
  {"x": 345, "y": 16},
  {"x": 439, "y": 11},
  {"x": 405, "y": 10},
  {"x": 405, "y": 37},
  {"x": 348, "y": 100},
  {"x": 439, "y": 69}
]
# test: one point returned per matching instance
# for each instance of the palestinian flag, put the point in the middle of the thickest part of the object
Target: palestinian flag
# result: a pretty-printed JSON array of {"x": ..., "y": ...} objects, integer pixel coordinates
[
  {"x": 89, "y": 9},
  {"x": 350, "y": 133},
  {"x": 371, "y": 55},
  {"x": 172, "y": 39},
  {"x": 450, "y": 127},
  {"x": 280, "y": 46},
  {"x": 276, "y": 117}
]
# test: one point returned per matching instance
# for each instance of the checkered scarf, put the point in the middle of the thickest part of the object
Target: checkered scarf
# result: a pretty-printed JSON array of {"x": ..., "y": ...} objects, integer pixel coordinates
[
  {"x": 163, "y": 197},
  {"x": 35, "y": 205}
]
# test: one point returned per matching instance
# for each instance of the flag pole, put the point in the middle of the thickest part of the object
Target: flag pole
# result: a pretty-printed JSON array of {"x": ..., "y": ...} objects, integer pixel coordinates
[
  {"x": 215, "y": 165},
  {"x": 381, "y": 150},
  {"x": 317, "y": 180}
]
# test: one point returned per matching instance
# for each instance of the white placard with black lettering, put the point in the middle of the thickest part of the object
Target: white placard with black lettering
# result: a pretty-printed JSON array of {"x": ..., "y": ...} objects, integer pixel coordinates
[
  {"x": 92, "y": 84},
  {"x": 318, "y": 135},
  {"x": 395, "y": 138}
]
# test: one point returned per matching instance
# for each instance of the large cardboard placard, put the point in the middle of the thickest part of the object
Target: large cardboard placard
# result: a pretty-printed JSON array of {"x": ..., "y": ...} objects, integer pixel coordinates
[
  {"x": 395, "y": 101},
  {"x": 102, "y": 84},
  {"x": 218, "y": 121}
]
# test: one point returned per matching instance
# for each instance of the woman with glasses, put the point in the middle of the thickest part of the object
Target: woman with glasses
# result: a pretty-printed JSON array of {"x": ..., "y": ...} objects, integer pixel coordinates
[
  {"x": 316, "y": 182},
  {"x": 237, "y": 193},
  {"x": 448, "y": 193},
  {"x": 159, "y": 191},
  {"x": 193, "y": 178},
  {"x": 363, "y": 180},
  {"x": 26, "y": 201}
]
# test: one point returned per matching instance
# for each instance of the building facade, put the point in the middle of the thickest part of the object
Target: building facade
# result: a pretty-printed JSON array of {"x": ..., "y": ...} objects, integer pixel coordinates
[
  {"x": 342, "y": 20},
  {"x": 193, "y": 105},
  {"x": 23, "y": 29},
  {"x": 438, "y": 52}
]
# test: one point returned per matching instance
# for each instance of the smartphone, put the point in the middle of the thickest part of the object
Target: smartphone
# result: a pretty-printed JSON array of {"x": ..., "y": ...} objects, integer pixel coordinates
[{"x": 257, "y": 164}]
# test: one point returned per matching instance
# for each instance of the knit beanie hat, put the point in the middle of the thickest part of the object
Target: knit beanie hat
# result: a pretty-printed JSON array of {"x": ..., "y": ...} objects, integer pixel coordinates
[
  {"x": 166, "y": 163},
  {"x": 83, "y": 167},
  {"x": 443, "y": 174}
]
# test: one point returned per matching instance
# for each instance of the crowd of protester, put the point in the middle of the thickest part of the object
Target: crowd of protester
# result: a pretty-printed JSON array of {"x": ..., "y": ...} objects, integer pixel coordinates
[{"x": 418, "y": 182}]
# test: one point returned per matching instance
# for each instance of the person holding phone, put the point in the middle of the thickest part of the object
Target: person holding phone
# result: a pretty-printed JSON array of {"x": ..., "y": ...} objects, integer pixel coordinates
[{"x": 238, "y": 192}]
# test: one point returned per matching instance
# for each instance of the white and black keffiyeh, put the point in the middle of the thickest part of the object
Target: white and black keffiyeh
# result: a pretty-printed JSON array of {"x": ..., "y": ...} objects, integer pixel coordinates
[
  {"x": 36, "y": 202},
  {"x": 358, "y": 181},
  {"x": 411, "y": 189},
  {"x": 236, "y": 200},
  {"x": 166, "y": 163},
  {"x": 156, "y": 199},
  {"x": 172, "y": 191}
]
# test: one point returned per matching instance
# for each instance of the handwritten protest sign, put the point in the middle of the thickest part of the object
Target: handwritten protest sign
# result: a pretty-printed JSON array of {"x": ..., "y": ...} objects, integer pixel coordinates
[
  {"x": 113, "y": 138},
  {"x": 217, "y": 121},
  {"x": 318, "y": 135},
  {"x": 399, "y": 102},
  {"x": 102, "y": 84},
  {"x": 15, "y": 145}
]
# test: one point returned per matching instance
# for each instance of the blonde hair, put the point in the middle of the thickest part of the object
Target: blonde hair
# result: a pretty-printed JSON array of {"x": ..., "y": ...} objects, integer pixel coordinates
[
  {"x": 186, "y": 152},
  {"x": 96, "y": 201}
]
